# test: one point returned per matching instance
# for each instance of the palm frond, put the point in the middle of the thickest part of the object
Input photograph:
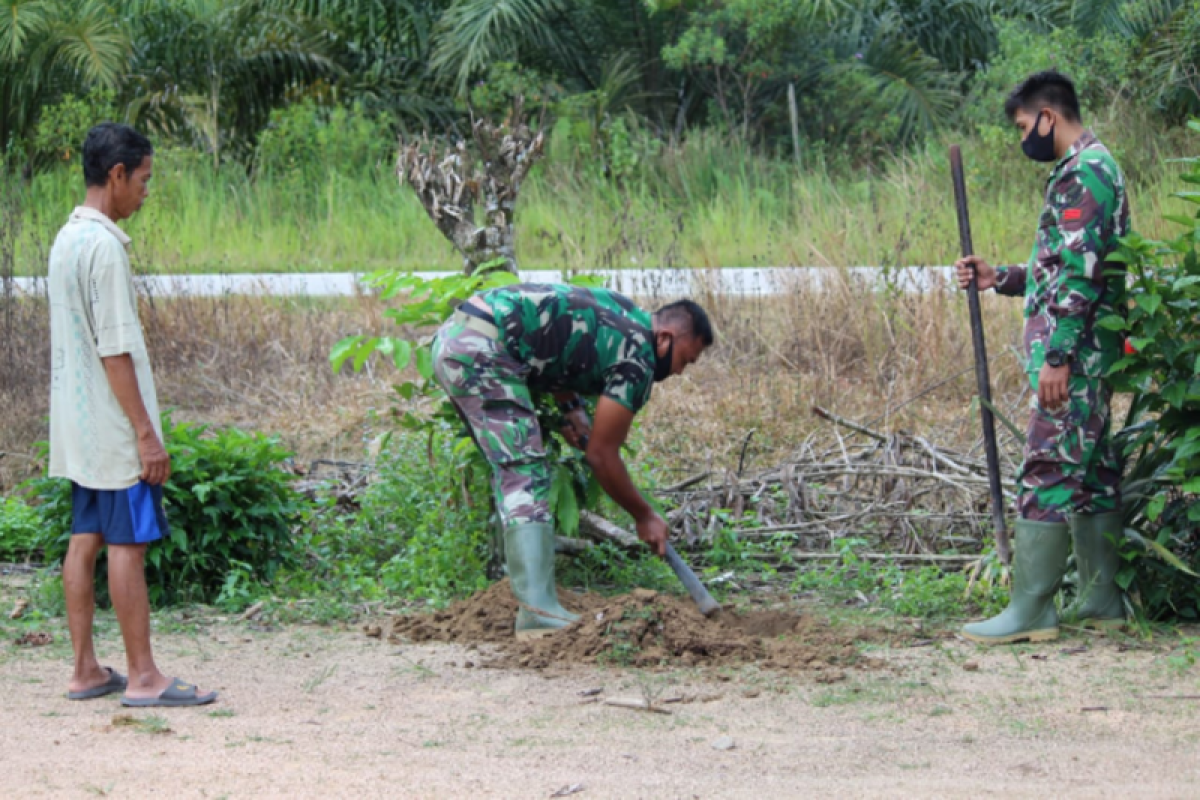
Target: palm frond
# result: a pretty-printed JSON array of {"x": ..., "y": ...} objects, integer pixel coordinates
[
  {"x": 19, "y": 21},
  {"x": 1172, "y": 61},
  {"x": 90, "y": 41},
  {"x": 909, "y": 81},
  {"x": 1094, "y": 17},
  {"x": 477, "y": 33}
]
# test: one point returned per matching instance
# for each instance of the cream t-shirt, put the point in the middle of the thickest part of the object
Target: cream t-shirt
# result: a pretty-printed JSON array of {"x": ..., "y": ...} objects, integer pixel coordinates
[{"x": 93, "y": 314}]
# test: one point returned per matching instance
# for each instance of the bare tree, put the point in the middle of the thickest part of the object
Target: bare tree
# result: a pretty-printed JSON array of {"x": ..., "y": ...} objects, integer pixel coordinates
[{"x": 454, "y": 180}]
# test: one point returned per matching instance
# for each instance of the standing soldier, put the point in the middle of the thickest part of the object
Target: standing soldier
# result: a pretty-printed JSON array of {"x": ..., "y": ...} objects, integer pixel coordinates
[
  {"x": 1070, "y": 479},
  {"x": 505, "y": 344}
]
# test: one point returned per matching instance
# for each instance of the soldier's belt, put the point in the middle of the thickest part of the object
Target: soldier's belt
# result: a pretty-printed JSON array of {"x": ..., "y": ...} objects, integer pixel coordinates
[{"x": 476, "y": 323}]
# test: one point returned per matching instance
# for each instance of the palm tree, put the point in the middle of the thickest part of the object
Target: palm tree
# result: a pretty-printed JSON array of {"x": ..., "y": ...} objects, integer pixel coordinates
[
  {"x": 383, "y": 48},
  {"x": 213, "y": 69},
  {"x": 47, "y": 48}
]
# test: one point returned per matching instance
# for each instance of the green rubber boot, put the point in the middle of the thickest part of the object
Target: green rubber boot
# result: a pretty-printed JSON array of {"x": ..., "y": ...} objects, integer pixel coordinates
[
  {"x": 1039, "y": 561},
  {"x": 1098, "y": 599},
  {"x": 529, "y": 551}
]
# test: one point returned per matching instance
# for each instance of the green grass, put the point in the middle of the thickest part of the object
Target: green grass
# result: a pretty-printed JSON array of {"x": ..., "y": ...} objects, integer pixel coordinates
[{"x": 711, "y": 203}]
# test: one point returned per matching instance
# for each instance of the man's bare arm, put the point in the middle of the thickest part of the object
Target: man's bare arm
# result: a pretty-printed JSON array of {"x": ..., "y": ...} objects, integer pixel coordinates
[
  {"x": 609, "y": 431},
  {"x": 122, "y": 378}
]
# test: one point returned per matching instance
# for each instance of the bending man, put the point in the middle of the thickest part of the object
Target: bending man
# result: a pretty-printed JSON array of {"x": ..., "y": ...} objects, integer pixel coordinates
[
  {"x": 1071, "y": 477},
  {"x": 502, "y": 346}
]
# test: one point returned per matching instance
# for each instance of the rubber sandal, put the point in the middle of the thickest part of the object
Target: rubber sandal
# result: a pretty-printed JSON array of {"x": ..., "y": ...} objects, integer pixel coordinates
[
  {"x": 177, "y": 695},
  {"x": 116, "y": 683}
]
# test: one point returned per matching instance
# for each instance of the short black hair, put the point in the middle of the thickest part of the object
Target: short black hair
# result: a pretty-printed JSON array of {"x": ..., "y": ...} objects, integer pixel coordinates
[
  {"x": 109, "y": 144},
  {"x": 689, "y": 317},
  {"x": 1043, "y": 89}
]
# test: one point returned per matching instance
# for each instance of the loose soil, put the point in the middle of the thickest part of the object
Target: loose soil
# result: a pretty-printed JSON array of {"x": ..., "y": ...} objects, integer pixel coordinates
[{"x": 645, "y": 629}]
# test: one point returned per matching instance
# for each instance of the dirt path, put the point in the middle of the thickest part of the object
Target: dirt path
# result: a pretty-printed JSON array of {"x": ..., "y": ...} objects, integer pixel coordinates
[{"x": 322, "y": 712}]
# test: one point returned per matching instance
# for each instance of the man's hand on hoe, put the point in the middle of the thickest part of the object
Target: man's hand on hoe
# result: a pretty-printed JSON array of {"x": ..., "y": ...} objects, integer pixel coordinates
[{"x": 603, "y": 449}]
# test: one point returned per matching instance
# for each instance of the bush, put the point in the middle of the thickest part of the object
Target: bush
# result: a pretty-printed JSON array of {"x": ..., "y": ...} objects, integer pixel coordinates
[
  {"x": 229, "y": 504},
  {"x": 1162, "y": 434},
  {"x": 21, "y": 530},
  {"x": 420, "y": 533},
  {"x": 62, "y": 127},
  {"x": 307, "y": 141}
]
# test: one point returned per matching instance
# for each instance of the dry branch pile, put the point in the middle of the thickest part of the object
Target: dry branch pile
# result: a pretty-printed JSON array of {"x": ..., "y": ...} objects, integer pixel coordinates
[
  {"x": 900, "y": 491},
  {"x": 904, "y": 494}
]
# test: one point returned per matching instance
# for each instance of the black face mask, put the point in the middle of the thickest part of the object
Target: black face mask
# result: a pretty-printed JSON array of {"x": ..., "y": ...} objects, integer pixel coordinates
[
  {"x": 1039, "y": 147},
  {"x": 662, "y": 364}
]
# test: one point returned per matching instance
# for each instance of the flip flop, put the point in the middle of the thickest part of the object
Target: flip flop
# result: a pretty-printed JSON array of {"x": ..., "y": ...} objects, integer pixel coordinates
[
  {"x": 116, "y": 683},
  {"x": 176, "y": 695}
]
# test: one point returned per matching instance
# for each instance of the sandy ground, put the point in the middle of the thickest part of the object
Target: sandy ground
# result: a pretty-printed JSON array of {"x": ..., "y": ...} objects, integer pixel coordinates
[{"x": 327, "y": 712}]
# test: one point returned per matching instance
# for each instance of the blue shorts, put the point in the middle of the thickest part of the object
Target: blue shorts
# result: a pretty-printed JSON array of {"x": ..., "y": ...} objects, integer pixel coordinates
[{"x": 122, "y": 516}]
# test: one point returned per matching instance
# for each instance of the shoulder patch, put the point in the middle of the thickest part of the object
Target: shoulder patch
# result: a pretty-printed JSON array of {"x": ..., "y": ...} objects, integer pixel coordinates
[{"x": 1072, "y": 215}]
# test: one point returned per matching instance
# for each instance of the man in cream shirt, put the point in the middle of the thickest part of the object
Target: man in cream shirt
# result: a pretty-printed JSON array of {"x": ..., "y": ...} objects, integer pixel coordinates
[{"x": 105, "y": 433}]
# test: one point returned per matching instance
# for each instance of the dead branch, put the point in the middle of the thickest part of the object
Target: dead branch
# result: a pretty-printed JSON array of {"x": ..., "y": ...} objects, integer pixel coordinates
[{"x": 599, "y": 529}]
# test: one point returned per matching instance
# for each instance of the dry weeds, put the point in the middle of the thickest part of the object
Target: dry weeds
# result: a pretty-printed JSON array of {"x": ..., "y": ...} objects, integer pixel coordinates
[{"x": 262, "y": 363}]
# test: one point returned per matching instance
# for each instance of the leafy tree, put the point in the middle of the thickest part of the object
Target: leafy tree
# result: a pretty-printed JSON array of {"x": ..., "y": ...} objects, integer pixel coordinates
[
  {"x": 860, "y": 56},
  {"x": 1172, "y": 55},
  {"x": 383, "y": 49},
  {"x": 47, "y": 48},
  {"x": 211, "y": 70}
]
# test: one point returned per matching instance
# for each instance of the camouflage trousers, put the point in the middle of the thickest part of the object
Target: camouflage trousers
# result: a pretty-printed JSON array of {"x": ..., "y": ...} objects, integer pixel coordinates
[
  {"x": 488, "y": 387},
  {"x": 1071, "y": 465}
]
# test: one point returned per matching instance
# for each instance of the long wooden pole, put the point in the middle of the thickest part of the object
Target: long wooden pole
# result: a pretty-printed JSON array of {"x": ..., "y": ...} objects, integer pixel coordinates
[{"x": 981, "y": 361}]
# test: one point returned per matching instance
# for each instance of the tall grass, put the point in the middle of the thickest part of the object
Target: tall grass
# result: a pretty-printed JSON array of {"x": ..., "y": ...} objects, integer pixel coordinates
[{"x": 708, "y": 202}]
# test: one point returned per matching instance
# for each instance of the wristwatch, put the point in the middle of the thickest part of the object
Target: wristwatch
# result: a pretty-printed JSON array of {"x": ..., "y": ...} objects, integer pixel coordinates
[{"x": 1057, "y": 358}]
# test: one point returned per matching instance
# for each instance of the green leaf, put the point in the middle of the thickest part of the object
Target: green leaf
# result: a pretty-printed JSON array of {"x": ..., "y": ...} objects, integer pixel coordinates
[
  {"x": 1160, "y": 551},
  {"x": 402, "y": 355},
  {"x": 1155, "y": 507},
  {"x": 1013, "y": 429},
  {"x": 425, "y": 363},
  {"x": 566, "y": 505},
  {"x": 1175, "y": 394},
  {"x": 1112, "y": 322},
  {"x": 365, "y": 348},
  {"x": 1192, "y": 486},
  {"x": 342, "y": 350},
  {"x": 1140, "y": 343},
  {"x": 1149, "y": 302}
]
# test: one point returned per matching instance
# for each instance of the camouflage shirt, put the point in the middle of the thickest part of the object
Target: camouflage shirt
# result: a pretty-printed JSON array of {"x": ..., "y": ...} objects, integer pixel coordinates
[
  {"x": 1068, "y": 283},
  {"x": 590, "y": 341}
]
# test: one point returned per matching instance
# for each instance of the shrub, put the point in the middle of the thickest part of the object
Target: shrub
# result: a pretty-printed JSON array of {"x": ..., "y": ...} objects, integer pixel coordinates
[
  {"x": 1162, "y": 434},
  {"x": 308, "y": 142},
  {"x": 229, "y": 504},
  {"x": 421, "y": 532},
  {"x": 21, "y": 530}
]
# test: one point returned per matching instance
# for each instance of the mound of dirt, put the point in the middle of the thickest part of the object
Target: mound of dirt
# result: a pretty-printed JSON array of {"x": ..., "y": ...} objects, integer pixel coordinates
[{"x": 643, "y": 629}]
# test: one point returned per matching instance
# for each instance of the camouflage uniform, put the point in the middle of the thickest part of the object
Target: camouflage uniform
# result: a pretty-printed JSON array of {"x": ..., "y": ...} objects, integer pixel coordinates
[
  {"x": 1071, "y": 465},
  {"x": 542, "y": 338}
]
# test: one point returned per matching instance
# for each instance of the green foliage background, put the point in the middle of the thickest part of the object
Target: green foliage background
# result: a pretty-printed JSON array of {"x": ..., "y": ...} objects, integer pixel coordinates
[{"x": 871, "y": 75}]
